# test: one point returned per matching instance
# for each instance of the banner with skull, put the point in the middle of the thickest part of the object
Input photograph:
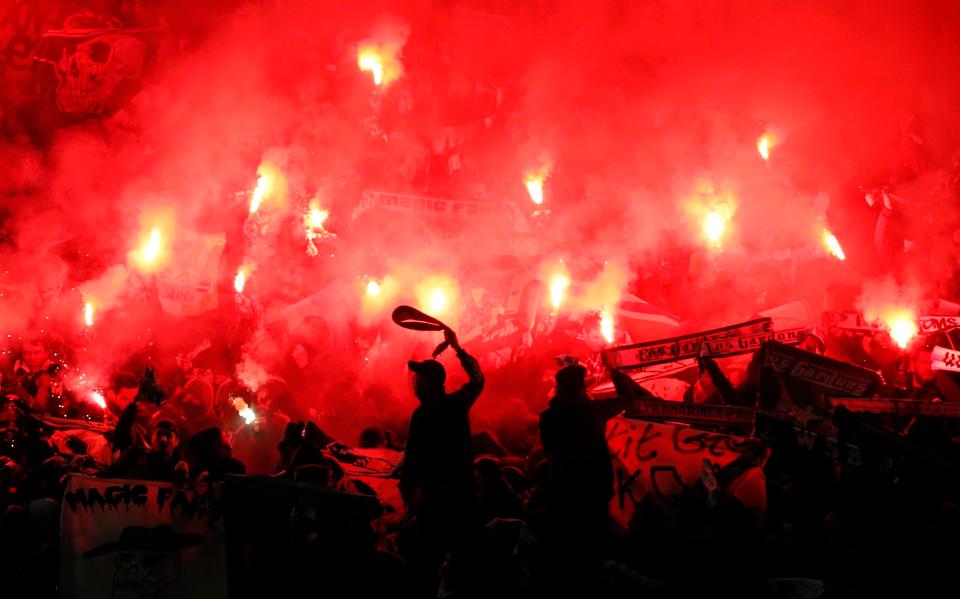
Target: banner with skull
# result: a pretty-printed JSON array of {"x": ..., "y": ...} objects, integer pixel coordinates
[
  {"x": 99, "y": 64},
  {"x": 134, "y": 539}
]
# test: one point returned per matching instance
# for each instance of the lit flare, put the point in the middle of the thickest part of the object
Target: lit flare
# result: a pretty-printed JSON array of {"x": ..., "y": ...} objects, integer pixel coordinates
[
  {"x": 902, "y": 326},
  {"x": 88, "y": 314},
  {"x": 240, "y": 280},
  {"x": 763, "y": 146},
  {"x": 832, "y": 244},
  {"x": 558, "y": 288},
  {"x": 607, "y": 325},
  {"x": 245, "y": 411},
  {"x": 373, "y": 288},
  {"x": 97, "y": 398}
]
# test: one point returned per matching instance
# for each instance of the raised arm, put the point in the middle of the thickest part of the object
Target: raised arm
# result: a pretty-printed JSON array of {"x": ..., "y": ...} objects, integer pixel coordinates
[{"x": 470, "y": 391}]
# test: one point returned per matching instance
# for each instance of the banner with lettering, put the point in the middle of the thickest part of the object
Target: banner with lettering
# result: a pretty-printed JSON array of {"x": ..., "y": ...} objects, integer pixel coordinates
[
  {"x": 661, "y": 461},
  {"x": 829, "y": 375},
  {"x": 943, "y": 358},
  {"x": 716, "y": 343},
  {"x": 132, "y": 539}
]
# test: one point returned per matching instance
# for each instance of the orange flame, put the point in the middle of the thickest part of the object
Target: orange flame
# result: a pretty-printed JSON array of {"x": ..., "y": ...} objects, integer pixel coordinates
[
  {"x": 832, "y": 244},
  {"x": 534, "y": 185},
  {"x": 437, "y": 295},
  {"x": 97, "y": 398},
  {"x": 263, "y": 186},
  {"x": 245, "y": 411},
  {"x": 381, "y": 61},
  {"x": 714, "y": 226},
  {"x": 902, "y": 326},
  {"x": 240, "y": 280},
  {"x": 88, "y": 314},
  {"x": 152, "y": 253},
  {"x": 373, "y": 288},
  {"x": 763, "y": 146},
  {"x": 558, "y": 288},
  {"x": 607, "y": 325}
]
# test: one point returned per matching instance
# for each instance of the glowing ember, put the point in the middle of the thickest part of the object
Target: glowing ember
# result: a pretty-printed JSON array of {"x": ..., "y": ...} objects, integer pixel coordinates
[
  {"x": 245, "y": 411},
  {"x": 606, "y": 325},
  {"x": 373, "y": 288},
  {"x": 558, "y": 287},
  {"x": 240, "y": 280},
  {"x": 714, "y": 225},
  {"x": 97, "y": 398},
  {"x": 368, "y": 59},
  {"x": 833, "y": 245},
  {"x": 438, "y": 301},
  {"x": 534, "y": 185},
  {"x": 263, "y": 185},
  {"x": 763, "y": 146},
  {"x": 88, "y": 314}
]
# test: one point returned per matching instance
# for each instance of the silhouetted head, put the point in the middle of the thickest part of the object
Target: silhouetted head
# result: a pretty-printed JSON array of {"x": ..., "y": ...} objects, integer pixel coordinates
[{"x": 428, "y": 377}]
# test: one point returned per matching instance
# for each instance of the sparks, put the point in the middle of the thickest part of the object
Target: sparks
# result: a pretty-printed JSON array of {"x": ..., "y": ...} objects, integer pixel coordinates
[
  {"x": 263, "y": 185},
  {"x": 373, "y": 288},
  {"x": 833, "y": 245},
  {"x": 97, "y": 398},
  {"x": 240, "y": 280},
  {"x": 606, "y": 325},
  {"x": 714, "y": 225},
  {"x": 558, "y": 288},
  {"x": 88, "y": 314},
  {"x": 763, "y": 146},
  {"x": 534, "y": 185}
]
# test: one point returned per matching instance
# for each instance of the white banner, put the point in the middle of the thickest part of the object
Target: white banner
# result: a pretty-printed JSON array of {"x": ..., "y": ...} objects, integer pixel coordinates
[
  {"x": 188, "y": 287},
  {"x": 138, "y": 539},
  {"x": 946, "y": 359}
]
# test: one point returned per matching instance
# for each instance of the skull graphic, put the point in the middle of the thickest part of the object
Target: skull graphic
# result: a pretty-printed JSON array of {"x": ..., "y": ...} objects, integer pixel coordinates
[{"x": 100, "y": 74}]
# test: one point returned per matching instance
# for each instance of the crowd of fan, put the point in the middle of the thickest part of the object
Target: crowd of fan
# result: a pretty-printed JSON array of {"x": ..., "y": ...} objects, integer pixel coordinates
[{"x": 479, "y": 519}]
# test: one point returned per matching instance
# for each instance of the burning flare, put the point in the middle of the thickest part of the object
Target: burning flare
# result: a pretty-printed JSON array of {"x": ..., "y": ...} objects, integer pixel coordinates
[
  {"x": 152, "y": 253},
  {"x": 381, "y": 60},
  {"x": 606, "y": 325},
  {"x": 245, "y": 411},
  {"x": 901, "y": 325},
  {"x": 88, "y": 314},
  {"x": 263, "y": 186},
  {"x": 534, "y": 185},
  {"x": 97, "y": 398},
  {"x": 368, "y": 59},
  {"x": 763, "y": 146},
  {"x": 240, "y": 280},
  {"x": 373, "y": 288},
  {"x": 558, "y": 288},
  {"x": 832, "y": 245},
  {"x": 714, "y": 225},
  {"x": 438, "y": 301}
]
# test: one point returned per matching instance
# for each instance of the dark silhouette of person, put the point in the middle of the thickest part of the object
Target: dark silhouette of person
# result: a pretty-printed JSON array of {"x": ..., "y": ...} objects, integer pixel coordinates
[
  {"x": 580, "y": 473},
  {"x": 438, "y": 461},
  {"x": 436, "y": 476}
]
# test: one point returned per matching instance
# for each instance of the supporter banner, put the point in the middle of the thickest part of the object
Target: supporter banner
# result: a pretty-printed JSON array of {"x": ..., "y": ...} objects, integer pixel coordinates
[
  {"x": 898, "y": 407},
  {"x": 937, "y": 324},
  {"x": 855, "y": 322},
  {"x": 664, "y": 460},
  {"x": 134, "y": 539},
  {"x": 786, "y": 439},
  {"x": 726, "y": 341},
  {"x": 672, "y": 410},
  {"x": 850, "y": 321},
  {"x": 830, "y": 375},
  {"x": 945, "y": 359},
  {"x": 189, "y": 286}
]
